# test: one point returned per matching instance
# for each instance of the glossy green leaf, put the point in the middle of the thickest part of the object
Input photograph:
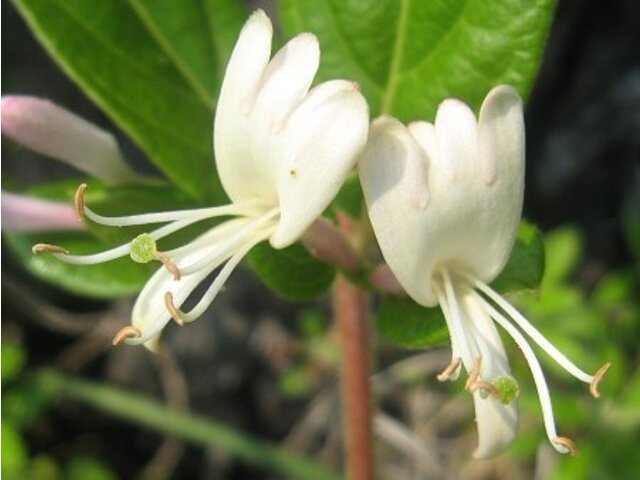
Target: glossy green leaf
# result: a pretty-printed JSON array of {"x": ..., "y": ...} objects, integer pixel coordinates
[
  {"x": 403, "y": 322},
  {"x": 196, "y": 35},
  {"x": 105, "y": 280},
  {"x": 292, "y": 272},
  {"x": 409, "y": 55},
  {"x": 225, "y": 18},
  {"x": 526, "y": 264},
  {"x": 105, "y": 48}
]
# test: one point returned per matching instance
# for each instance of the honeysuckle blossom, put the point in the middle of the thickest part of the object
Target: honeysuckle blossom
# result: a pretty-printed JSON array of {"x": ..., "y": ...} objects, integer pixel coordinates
[
  {"x": 46, "y": 128},
  {"x": 282, "y": 151},
  {"x": 445, "y": 201}
]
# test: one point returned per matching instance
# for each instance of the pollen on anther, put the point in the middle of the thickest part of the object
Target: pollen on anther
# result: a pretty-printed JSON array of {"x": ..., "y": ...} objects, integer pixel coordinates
[
  {"x": 48, "y": 248},
  {"x": 125, "y": 333},
  {"x": 568, "y": 444},
  {"x": 593, "y": 388},
  {"x": 78, "y": 200},
  {"x": 449, "y": 370},
  {"x": 175, "y": 313}
]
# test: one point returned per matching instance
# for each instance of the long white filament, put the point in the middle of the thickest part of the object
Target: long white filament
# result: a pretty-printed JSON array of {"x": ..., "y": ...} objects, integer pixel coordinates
[
  {"x": 533, "y": 332},
  {"x": 124, "y": 249},
  {"x": 536, "y": 371},
  {"x": 456, "y": 321},
  {"x": 160, "y": 217},
  {"x": 222, "y": 277},
  {"x": 230, "y": 242},
  {"x": 455, "y": 349}
]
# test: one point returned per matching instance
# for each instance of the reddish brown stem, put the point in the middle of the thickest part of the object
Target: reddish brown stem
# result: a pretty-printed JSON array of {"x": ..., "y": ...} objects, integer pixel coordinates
[{"x": 351, "y": 311}]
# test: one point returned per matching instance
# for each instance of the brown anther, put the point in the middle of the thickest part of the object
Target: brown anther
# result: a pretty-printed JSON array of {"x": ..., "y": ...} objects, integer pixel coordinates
[
  {"x": 486, "y": 386},
  {"x": 568, "y": 444},
  {"x": 474, "y": 374},
  {"x": 175, "y": 313},
  {"x": 169, "y": 265},
  {"x": 78, "y": 200},
  {"x": 47, "y": 248},
  {"x": 593, "y": 388},
  {"x": 124, "y": 333},
  {"x": 450, "y": 370}
]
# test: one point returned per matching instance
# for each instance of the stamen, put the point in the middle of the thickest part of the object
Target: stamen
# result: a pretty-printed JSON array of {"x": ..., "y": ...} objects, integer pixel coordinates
[
  {"x": 593, "y": 388},
  {"x": 255, "y": 227},
  {"x": 193, "y": 215},
  {"x": 560, "y": 358},
  {"x": 486, "y": 386},
  {"x": 450, "y": 370},
  {"x": 456, "y": 322},
  {"x": 48, "y": 248},
  {"x": 565, "y": 445},
  {"x": 173, "y": 310},
  {"x": 125, "y": 333},
  {"x": 536, "y": 371},
  {"x": 169, "y": 265},
  {"x": 222, "y": 277},
  {"x": 78, "y": 200},
  {"x": 474, "y": 374}
]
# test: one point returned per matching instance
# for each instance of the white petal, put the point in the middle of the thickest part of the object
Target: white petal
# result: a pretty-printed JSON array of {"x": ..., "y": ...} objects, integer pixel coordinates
[
  {"x": 393, "y": 174},
  {"x": 497, "y": 422},
  {"x": 232, "y": 128},
  {"x": 501, "y": 133},
  {"x": 497, "y": 425},
  {"x": 321, "y": 144},
  {"x": 456, "y": 139},
  {"x": 53, "y": 131}
]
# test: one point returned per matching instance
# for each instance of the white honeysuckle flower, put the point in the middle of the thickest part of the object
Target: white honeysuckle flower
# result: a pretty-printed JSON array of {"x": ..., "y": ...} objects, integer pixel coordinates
[
  {"x": 282, "y": 151},
  {"x": 445, "y": 201},
  {"x": 46, "y": 128}
]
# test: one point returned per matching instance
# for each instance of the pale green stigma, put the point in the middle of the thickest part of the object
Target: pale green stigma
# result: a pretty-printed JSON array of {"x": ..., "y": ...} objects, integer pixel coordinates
[
  {"x": 143, "y": 248},
  {"x": 507, "y": 388}
]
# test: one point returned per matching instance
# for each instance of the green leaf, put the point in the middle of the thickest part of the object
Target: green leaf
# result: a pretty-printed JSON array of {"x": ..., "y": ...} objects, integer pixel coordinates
[
  {"x": 403, "y": 322},
  {"x": 116, "y": 278},
  {"x": 14, "y": 359},
  {"x": 409, "y": 55},
  {"x": 526, "y": 264},
  {"x": 225, "y": 19},
  {"x": 106, "y": 49},
  {"x": 292, "y": 272},
  {"x": 182, "y": 33}
]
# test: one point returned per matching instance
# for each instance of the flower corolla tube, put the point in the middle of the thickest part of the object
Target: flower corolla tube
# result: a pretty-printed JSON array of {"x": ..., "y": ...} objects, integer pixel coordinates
[
  {"x": 282, "y": 151},
  {"x": 445, "y": 201}
]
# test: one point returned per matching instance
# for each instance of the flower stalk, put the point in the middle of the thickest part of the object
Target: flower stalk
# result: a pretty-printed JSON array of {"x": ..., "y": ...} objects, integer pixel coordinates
[{"x": 352, "y": 318}]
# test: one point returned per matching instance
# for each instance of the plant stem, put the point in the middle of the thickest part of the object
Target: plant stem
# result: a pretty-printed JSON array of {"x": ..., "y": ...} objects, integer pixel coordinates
[
  {"x": 194, "y": 428},
  {"x": 351, "y": 311}
]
